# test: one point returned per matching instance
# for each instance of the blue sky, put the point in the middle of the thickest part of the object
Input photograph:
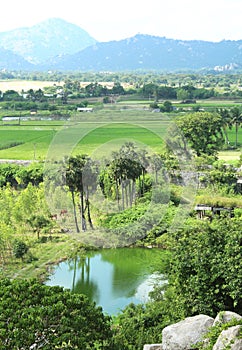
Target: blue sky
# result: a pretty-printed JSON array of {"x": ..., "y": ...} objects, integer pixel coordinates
[{"x": 105, "y": 20}]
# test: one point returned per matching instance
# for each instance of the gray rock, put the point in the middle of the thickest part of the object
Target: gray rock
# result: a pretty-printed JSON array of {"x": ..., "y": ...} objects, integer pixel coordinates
[
  {"x": 228, "y": 339},
  {"x": 152, "y": 347},
  {"x": 225, "y": 317},
  {"x": 184, "y": 334}
]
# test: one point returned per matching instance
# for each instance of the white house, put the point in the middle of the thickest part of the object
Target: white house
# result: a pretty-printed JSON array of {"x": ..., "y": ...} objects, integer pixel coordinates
[{"x": 85, "y": 109}]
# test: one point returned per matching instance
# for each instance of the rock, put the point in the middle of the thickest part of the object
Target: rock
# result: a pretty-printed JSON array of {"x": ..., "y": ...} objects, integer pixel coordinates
[
  {"x": 229, "y": 339},
  {"x": 225, "y": 317},
  {"x": 184, "y": 334},
  {"x": 152, "y": 347}
]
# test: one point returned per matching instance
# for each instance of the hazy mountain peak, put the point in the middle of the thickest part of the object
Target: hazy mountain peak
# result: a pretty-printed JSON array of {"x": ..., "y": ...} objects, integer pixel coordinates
[
  {"x": 46, "y": 39},
  {"x": 56, "y": 44}
]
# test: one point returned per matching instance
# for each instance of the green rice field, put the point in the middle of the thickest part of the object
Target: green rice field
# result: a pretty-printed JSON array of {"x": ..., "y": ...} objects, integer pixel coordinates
[
  {"x": 96, "y": 134},
  {"x": 36, "y": 140}
]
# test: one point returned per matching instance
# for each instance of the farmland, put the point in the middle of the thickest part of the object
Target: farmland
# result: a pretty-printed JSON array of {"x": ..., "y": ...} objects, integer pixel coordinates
[
  {"x": 55, "y": 210},
  {"x": 93, "y": 133}
]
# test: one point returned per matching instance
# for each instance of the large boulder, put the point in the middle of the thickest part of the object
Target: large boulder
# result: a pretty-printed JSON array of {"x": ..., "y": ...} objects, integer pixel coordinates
[
  {"x": 185, "y": 334},
  {"x": 229, "y": 339},
  {"x": 225, "y": 317}
]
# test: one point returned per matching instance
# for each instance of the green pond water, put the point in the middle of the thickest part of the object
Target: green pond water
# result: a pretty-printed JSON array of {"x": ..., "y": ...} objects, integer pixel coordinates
[{"x": 112, "y": 278}]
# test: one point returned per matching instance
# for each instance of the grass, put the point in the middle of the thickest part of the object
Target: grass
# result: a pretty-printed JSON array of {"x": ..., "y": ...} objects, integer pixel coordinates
[
  {"x": 229, "y": 156},
  {"x": 110, "y": 137},
  {"x": 34, "y": 145},
  {"x": 96, "y": 133},
  {"x": 46, "y": 254}
]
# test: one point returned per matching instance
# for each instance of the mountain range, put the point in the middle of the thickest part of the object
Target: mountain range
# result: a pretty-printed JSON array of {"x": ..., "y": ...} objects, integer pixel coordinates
[{"x": 58, "y": 45}]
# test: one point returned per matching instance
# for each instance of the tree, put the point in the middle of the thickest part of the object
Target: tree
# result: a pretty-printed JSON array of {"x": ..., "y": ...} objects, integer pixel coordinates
[
  {"x": 150, "y": 90},
  {"x": 226, "y": 121},
  {"x": 36, "y": 316},
  {"x": 38, "y": 223},
  {"x": 19, "y": 249},
  {"x": 11, "y": 95},
  {"x": 203, "y": 131},
  {"x": 182, "y": 94},
  {"x": 81, "y": 177},
  {"x": 206, "y": 266},
  {"x": 117, "y": 89},
  {"x": 71, "y": 183},
  {"x": 167, "y": 106},
  {"x": 118, "y": 179},
  {"x": 237, "y": 121},
  {"x": 222, "y": 175}
]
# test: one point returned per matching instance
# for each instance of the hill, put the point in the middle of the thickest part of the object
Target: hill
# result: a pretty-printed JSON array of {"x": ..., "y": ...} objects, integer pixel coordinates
[
  {"x": 61, "y": 46},
  {"x": 11, "y": 61},
  {"x": 145, "y": 52},
  {"x": 46, "y": 40}
]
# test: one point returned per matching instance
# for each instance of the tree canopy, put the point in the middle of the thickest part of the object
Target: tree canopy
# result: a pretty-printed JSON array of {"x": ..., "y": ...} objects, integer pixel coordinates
[
  {"x": 203, "y": 131},
  {"x": 34, "y": 316}
]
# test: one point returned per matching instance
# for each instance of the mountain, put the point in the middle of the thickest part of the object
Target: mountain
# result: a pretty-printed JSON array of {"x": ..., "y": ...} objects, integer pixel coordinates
[
  {"x": 45, "y": 40},
  {"x": 11, "y": 61},
  {"x": 145, "y": 52},
  {"x": 61, "y": 46}
]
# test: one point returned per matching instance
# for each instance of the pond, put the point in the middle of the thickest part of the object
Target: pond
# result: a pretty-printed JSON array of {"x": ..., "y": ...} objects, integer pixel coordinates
[{"x": 112, "y": 278}]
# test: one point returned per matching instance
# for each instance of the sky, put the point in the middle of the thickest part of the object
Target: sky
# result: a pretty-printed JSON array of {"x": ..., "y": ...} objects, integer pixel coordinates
[{"x": 106, "y": 20}]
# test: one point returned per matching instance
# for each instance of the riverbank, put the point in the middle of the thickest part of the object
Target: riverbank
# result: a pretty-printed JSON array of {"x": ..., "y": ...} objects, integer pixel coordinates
[
  {"x": 44, "y": 254},
  {"x": 40, "y": 258}
]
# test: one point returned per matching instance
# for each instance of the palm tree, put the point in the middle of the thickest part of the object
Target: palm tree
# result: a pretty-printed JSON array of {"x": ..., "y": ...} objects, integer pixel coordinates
[
  {"x": 70, "y": 182},
  {"x": 236, "y": 120},
  {"x": 81, "y": 177},
  {"x": 226, "y": 122},
  {"x": 89, "y": 179}
]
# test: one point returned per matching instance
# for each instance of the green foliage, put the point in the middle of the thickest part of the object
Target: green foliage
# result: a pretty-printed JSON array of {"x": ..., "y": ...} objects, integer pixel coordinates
[
  {"x": 20, "y": 248},
  {"x": 81, "y": 177},
  {"x": 123, "y": 218},
  {"x": 222, "y": 175},
  {"x": 143, "y": 324},
  {"x": 203, "y": 131},
  {"x": 206, "y": 266},
  {"x": 217, "y": 200},
  {"x": 8, "y": 174},
  {"x": 32, "y": 314},
  {"x": 167, "y": 107},
  {"x": 39, "y": 223},
  {"x": 138, "y": 325},
  {"x": 31, "y": 174},
  {"x": 21, "y": 175},
  {"x": 212, "y": 335}
]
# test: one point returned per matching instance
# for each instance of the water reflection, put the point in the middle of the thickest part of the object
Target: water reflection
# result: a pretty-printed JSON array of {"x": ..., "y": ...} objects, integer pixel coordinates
[{"x": 112, "y": 278}]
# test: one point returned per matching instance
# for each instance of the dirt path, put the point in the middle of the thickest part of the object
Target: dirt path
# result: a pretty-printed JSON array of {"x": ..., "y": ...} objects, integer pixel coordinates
[{"x": 16, "y": 161}]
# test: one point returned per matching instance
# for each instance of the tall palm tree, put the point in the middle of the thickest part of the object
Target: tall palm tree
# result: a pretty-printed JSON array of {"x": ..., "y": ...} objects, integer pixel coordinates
[
  {"x": 71, "y": 183},
  {"x": 237, "y": 121},
  {"x": 226, "y": 121},
  {"x": 81, "y": 178}
]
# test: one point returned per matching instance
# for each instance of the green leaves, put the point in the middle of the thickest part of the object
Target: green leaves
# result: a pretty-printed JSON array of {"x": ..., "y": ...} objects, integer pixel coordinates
[
  {"x": 203, "y": 131},
  {"x": 206, "y": 270},
  {"x": 32, "y": 313},
  {"x": 19, "y": 249}
]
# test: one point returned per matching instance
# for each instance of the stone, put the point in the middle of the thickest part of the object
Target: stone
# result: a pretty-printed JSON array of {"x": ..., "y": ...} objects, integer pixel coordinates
[
  {"x": 226, "y": 316},
  {"x": 229, "y": 339},
  {"x": 152, "y": 347},
  {"x": 186, "y": 333}
]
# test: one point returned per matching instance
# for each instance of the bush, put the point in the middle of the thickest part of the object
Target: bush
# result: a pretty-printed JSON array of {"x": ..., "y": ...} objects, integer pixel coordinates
[
  {"x": 33, "y": 315},
  {"x": 20, "y": 249}
]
